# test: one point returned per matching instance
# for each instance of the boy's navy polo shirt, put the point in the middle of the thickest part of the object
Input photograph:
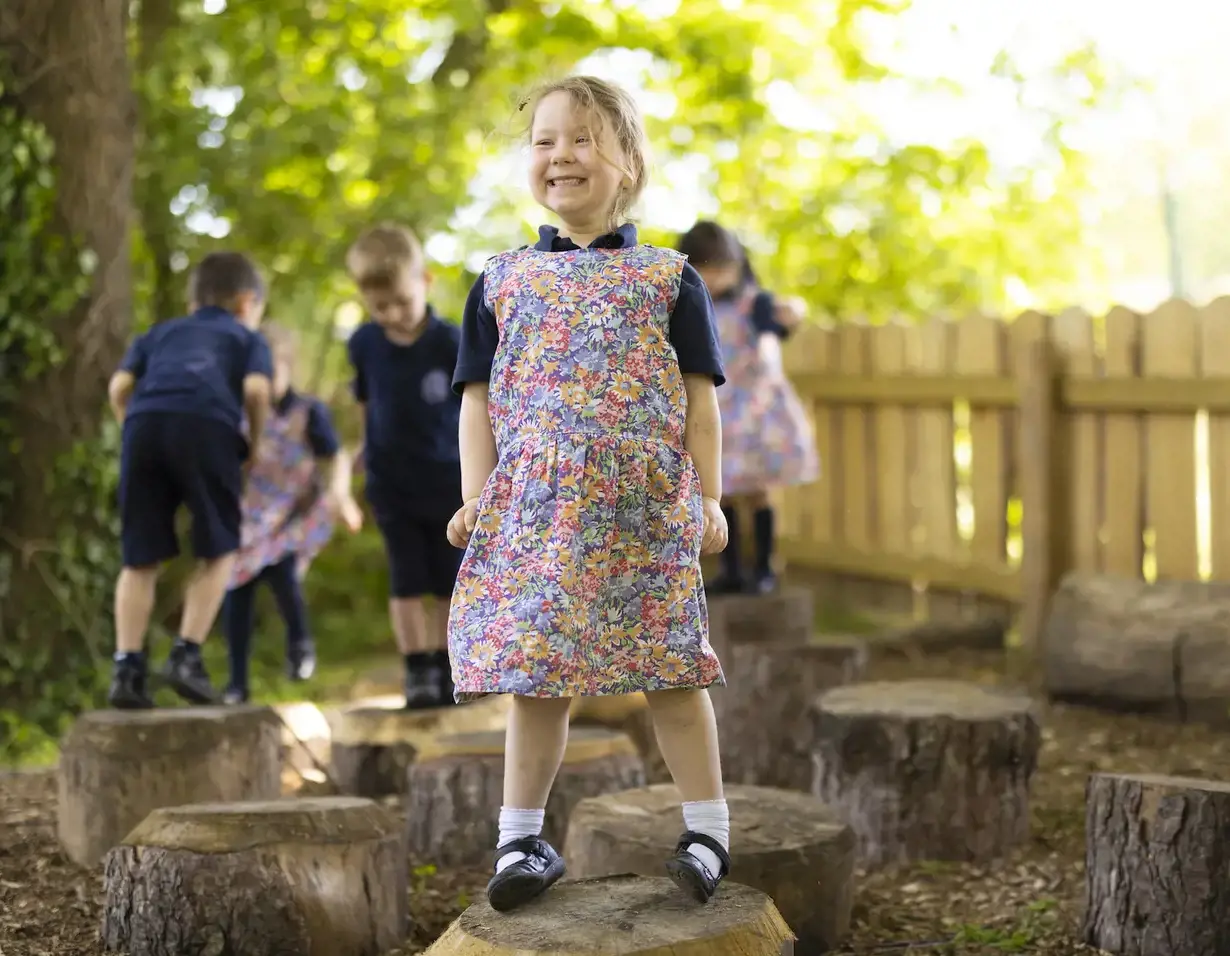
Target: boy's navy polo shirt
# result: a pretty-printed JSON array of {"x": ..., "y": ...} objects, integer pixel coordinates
[
  {"x": 195, "y": 365},
  {"x": 411, "y": 417},
  {"x": 693, "y": 329},
  {"x": 321, "y": 436}
]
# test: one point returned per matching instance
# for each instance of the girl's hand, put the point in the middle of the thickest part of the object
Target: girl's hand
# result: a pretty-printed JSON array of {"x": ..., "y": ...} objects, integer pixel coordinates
[
  {"x": 715, "y": 534},
  {"x": 347, "y": 510},
  {"x": 462, "y": 524},
  {"x": 789, "y": 312}
]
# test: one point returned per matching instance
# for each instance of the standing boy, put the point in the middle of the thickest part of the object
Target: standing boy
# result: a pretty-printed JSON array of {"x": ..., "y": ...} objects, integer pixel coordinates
[
  {"x": 403, "y": 370},
  {"x": 181, "y": 393}
]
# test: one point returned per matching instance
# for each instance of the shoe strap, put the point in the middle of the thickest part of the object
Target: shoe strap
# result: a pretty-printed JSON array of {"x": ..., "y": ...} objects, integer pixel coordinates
[
  {"x": 691, "y": 836},
  {"x": 530, "y": 846}
]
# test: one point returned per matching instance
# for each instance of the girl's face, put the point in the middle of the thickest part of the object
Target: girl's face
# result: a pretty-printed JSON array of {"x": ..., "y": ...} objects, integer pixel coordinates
[
  {"x": 567, "y": 173},
  {"x": 282, "y": 362}
]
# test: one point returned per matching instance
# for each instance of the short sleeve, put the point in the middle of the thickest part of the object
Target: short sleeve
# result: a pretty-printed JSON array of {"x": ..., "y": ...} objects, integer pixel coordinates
[
  {"x": 693, "y": 329},
  {"x": 260, "y": 357},
  {"x": 480, "y": 336},
  {"x": 764, "y": 317},
  {"x": 321, "y": 435},
  {"x": 135, "y": 358},
  {"x": 354, "y": 352}
]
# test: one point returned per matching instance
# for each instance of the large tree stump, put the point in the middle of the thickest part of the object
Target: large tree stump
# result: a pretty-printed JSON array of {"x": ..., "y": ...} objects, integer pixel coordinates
[
  {"x": 1126, "y": 644},
  {"x": 312, "y": 877},
  {"x": 116, "y": 766},
  {"x": 306, "y": 735},
  {"x": 623, "y": 916},
  {"x": 788, "y": 845},
  {"x": 1157, "y": 871},
  {"x": 787, "y": 614},
  {"x": 763, "y": 721},
  {"x": 373, "y": 745},
  {"x": 455, "y": 790},
  {"x": 927, "y": 769},
  {"x": 628, "y": 714}
]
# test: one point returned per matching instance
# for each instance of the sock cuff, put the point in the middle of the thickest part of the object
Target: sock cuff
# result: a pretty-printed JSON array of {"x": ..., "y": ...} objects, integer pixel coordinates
[{"x": 705, "y": 804}]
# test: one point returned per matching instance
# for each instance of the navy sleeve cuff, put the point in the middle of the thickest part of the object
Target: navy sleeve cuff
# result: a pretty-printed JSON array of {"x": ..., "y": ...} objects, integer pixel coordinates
[
  {"x": 693, "y": 329},
  {"x": 480, "y": 337}
]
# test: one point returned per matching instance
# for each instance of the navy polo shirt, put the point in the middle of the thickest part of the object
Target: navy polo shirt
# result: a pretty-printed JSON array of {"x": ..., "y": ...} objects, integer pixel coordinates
[
  {"x": 763, "y": 318},
  {"x": 411, "y": 418},
  {"x": 321, "y": 435},
  {"x": 693, "y": 331},
  {"x": 196, "y": 365}
]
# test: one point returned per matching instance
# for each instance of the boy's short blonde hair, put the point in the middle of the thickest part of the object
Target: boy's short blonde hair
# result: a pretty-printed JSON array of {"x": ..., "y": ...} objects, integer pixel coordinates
[{"x": 382, "y": 254}]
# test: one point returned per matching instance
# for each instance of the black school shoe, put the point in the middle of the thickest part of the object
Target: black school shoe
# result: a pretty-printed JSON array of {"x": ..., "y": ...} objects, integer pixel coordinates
[
  {"x": 128, "y": 685},
  {"x": 426, "y": 682},
  {"x": 725, "y": 584},
  {"x": 527, "y": 879},
  {"x": 301, "y": 662},
  {"x": 762, "y": 583},
  {"x": 690, "y": 874},
  {"x": 184, "y": 672}
]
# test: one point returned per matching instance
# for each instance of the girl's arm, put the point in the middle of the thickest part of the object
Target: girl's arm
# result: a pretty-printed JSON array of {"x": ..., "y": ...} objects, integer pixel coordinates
[
  {"x": 703, "y": 433},
  {"x": 119, "y": 392},
  {"x": 476, "y": 440}
]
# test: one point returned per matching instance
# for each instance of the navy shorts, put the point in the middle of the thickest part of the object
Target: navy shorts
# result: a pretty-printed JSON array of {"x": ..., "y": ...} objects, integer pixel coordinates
[
  {"x": 421, "y": 561},
  {"x": 171, "y": 459}
]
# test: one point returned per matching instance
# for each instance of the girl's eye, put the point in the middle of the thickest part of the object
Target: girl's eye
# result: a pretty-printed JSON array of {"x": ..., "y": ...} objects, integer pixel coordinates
[{"x": 582, "y": 139}]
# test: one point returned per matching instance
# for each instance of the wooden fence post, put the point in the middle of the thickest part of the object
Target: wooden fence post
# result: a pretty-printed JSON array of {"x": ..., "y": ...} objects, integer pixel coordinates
[{"x": 1041, "y": 531}]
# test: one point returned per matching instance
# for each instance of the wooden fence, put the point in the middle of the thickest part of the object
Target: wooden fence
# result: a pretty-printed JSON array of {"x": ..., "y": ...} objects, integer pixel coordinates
[{"x": 973, "y": 462}]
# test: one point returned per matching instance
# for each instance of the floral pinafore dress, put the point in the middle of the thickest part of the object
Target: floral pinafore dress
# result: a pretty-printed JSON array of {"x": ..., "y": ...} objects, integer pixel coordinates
[
  {"x": 274, "y": 522},
  {"x": 767, "y": 441},
  {"x": 582, "y": 576}
]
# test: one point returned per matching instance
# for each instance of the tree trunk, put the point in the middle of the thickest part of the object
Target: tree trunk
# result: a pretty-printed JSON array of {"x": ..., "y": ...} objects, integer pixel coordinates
[
  {"x": 311, "y": 877},
  {"x": 455, "y": 790},
  {"x": 786, "y": 615},
  {"x": 623, "y": 916},
  {"x": 118, "y": 766},
  {"x": 927, "y": 769},
  {"x": 67, "y": 63},
  {"x": 764, "y": 713},
  {"x": 788, "y": 845},
  {"x": 1156, "y": 873}
]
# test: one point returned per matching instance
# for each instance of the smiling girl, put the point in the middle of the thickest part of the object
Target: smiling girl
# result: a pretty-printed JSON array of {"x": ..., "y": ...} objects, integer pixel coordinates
[{"x": 591, "y": 476}]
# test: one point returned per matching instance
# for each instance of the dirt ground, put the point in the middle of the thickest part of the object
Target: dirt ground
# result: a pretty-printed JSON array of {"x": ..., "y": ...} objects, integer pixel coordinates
[{"x": 1029, "y": 902}]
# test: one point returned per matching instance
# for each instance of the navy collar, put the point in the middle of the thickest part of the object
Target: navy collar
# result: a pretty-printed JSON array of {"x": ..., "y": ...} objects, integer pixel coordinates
[
  {"x": 213, "y": 312},
  {"x": 549, "y": 239}
]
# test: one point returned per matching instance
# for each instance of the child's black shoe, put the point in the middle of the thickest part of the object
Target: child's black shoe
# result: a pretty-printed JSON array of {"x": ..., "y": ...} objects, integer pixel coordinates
[
  {"x": 764, "y": 582},
  {"x": 447, "y": 688},
  {"x": 424, "y": 682},
  {"x": 301, "y": 662},
  {"x": 725, "y": 584},
  {"x": 520, "y": 882},
  {"x": 185, "y": 673},
  {"x": 234, "y": 697},
  {"x": 690, "y": 874},
  {"x": 128, "y": 684}
]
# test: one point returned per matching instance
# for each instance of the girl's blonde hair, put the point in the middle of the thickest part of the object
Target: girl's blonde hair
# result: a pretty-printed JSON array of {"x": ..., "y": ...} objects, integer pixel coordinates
[{"x": 621, "y": 119}]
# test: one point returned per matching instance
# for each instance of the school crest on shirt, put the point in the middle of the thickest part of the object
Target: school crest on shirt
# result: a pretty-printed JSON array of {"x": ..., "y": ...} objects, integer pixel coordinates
[{"x": 436, "y": 387}]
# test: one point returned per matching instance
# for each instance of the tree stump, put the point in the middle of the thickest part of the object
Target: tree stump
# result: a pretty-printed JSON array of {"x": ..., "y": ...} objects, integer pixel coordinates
[
  {"x": 455, "y": 790},
  {"x": 1156, "y": 871},
  {"x": 927, "y": 769},
  {"x": 628, "y": 714},
  {"x": 116, "y": 766},
  {"x": 306, "y": 735},
  {"x": 788, "y": 845},
  {"x": 787, "y": 614},
  {"x": 373, "y": 746},
  {"x": 1126, "y": 644},
  {"x": 763, "y": 721},
  {"x": 312, "y": 877},
  {"x": 623, "y": 916}
]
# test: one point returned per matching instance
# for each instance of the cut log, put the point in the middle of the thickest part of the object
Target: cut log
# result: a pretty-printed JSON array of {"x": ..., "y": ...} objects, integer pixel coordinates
[
  {"x": 623, "y": 916},
  {"x": 456, "y": 789},
  {"x": 1156, "y": 873},
  {"x": 787, "y": 614},
  {"x": 628, "y": 714},
  {"x": 927, "y": 769},
  {"x": 763, "y": 721},
  {"x": 312, "y": 877},
  {"x": 306, "y": 735},
  {"x": 936, "y": 637},
  {"x": 374, "y": 745},
  {"x": 1127, "y": 644},
  {"x": 116, "y": 766},
  {"x": 788, "y": 845}
]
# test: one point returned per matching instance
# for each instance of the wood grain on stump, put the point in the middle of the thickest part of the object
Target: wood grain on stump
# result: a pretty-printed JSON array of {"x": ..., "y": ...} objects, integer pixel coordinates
[
  {"x": 788, "y": 845},
  {"x": 764, "y": 725},
  {"x": 374, "y": 745},
  {"x": 311, "y": 877},
  {"x": 1157, "y": 871},
  {"x": 116, "y": 766},
  {"x": 927, "y": 769},
  {"x": 455, "y": 790},
  {"x": 628, "y": 714},
  {"x": 623, "y": 916}
]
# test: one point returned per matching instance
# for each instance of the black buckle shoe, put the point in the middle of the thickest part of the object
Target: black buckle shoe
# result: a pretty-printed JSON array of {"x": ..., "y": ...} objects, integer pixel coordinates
[
  {"x": 128, "y": 690},
  {"x": 690, "y": 874},
  {"x": 725, "y": 584},
  {"x": 185, "y": 674},
  {"x": 424, "y": 685},
  {"x": 520, "y": 882},
  {"x": 234, "y": 697},
  {"x": 763, "y": 583},
  {"x": 301, "y": 662}
]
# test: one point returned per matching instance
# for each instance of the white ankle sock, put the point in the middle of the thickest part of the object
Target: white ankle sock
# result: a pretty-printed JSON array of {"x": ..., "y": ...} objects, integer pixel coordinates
[
  {"x": 712, "y": 818},
  {"x": 515, "y": 824}
]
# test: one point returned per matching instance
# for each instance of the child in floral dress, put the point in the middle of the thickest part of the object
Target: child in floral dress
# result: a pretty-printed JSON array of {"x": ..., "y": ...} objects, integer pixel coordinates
[
  {"x": 591, "y": 474},
  {"x": 298, "y": 484},
  {"x": 767, "y": 441}
]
